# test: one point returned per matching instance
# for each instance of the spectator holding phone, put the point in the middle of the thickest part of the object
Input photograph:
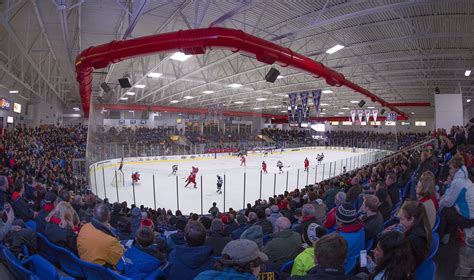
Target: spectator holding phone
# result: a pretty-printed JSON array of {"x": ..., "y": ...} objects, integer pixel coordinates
[{"x": 6, "y": 221}]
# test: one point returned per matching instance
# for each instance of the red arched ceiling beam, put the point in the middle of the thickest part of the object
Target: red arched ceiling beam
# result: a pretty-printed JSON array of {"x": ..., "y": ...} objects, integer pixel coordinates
[{"x": 197, "y": 41}]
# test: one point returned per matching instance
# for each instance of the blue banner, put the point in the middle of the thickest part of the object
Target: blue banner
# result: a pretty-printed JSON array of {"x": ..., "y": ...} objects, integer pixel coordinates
[
  {"x": 299, "y": 115},
  {"x": 316, "y": 100},
  {"x": 304, "y": 102}
]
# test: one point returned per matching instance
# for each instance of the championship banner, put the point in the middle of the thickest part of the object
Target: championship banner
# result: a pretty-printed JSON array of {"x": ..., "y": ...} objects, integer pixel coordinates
[
  {"x": 316, "y": 100},
  {"x": 299, "y": 115},
  {"x": 360, "y": 113},
  {"x": 375, "y": 112},
  {"x": 353, "y": 116},
  {"x": 293, "y": 97},
  {"x": 367, "y": 116},
  {"x": 290, "y": 116},
  {"x": 304, "y": 102}
]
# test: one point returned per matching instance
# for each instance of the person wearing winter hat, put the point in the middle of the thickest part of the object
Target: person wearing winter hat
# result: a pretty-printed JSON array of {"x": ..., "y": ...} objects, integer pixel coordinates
[
  {"x": 305, "y": 261},
  {"x": 177, "y": 238},
  {"x": 274, "y": 215},
  {"x": 216, "y": 239},
  {"x": 352, "y": 231},
  {"x": 330, "y": 221},
  {"x": 49, "y": 204},
  {"x": 241, "y": 260},
  {"x": 254, "y": 233}
]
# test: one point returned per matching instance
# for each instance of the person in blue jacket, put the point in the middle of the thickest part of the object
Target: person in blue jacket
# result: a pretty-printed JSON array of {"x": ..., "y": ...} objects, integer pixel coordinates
[
  {"x": 187, "y": 261},
  {"x": 241, "y": 260},
  {"x": 142, "y": 261}
]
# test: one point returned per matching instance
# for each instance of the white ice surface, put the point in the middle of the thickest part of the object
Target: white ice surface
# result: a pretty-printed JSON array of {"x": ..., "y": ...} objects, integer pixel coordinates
[{"x": 229, "y": 166}]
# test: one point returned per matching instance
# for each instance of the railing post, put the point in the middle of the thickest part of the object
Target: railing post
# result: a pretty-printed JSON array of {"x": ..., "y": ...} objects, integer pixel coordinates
[
  {"x": 245, "y": 175},
  {"x": 154, "y": 193},
  {"x": 103, "y": 180},
  {"x": 316, "y": 174},
  {"x": 116, "y": 185},
  {"x": 324, "y": 166},
  {"x": 201, "y": 197},
  {"x": 260, "y": 196},
  {"x": 95, "y": 180},
  {"x": 177, "y": 194},
  {"x": 287, "y": 173},
  {"x": 298, "y": 179},
  {"x": 274, "y": 183},
  {"x": 224, "y": 192},
  {"x": 307, "y": 176},
  {"x": 133, "y": 186},
  {"x": 330, "y": 169}
]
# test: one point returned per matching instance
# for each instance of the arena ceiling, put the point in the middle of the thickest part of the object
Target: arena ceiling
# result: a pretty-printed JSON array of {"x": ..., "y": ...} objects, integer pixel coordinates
[{"x": 398, "y": 50}]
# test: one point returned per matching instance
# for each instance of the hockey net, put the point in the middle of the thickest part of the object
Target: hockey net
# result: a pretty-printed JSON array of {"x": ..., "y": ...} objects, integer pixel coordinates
[{"x": 118, "y": 179}]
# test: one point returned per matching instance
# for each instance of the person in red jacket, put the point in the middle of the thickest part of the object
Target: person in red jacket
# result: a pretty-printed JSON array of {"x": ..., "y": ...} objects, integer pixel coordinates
[
  {"x": 306, "y": 164},
  {"x": 264, "y": 167},
  {"x": 191, "y": 179}
]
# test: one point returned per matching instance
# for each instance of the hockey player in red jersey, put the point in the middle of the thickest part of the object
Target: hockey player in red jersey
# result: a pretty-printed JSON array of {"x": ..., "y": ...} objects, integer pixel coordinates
[
  {"x": 135, "y": 177},
  {"x": 306, "y": 164},
  {"x": 264, "y": 167},
  {"x": 191, "y": 179},
  {"x": 243, "y": 161},
  {"x": 195, "y": 170}
]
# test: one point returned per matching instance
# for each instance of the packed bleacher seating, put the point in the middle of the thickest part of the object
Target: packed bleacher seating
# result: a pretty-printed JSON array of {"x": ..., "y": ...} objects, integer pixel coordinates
[{"x": 402, "y": 207}]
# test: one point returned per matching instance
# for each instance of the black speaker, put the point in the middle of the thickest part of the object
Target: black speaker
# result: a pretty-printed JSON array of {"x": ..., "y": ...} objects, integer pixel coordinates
[
  {"x": 105, "y": 87},
  {"x": 436, "y": 90},
  {"x": 361, "y": 103},
  {"x": 382, "y": 111},
  {"x": 124, "y": 83},
  {"x": 272, "y": 75},
  {"x": 100, "y": 99}
]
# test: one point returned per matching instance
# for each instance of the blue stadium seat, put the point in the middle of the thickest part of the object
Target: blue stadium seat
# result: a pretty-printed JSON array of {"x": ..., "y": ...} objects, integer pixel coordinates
[
  {"x": 31, "y": 224},
  {"x": 15, "y": 267},
  {"x": 426, "y": 271},
  {"x": 434, "y": 246},
  {"x": 369, "y": 244},
  {"x": 286, "y": 267},
  {"x": 96, "y": 272},
  {"x": 46, "y": 249},
  {"x": 266, "y": 238},
  {"x": 436, "y": 225}
]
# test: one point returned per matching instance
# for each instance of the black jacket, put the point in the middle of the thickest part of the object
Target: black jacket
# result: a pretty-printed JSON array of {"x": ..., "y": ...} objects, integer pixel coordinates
[
  {"x": 64, "y": 237},
  {"x": 217, "y": 241},
  {"x": 266, "y": 225},
  {"x": 394, "y": 193},
  {"x": 229, "y": 228},
  {"x": 321, "y": 272},
  {"x": 419, "y": 244},
  {"x": 373, "y": 225},
  {"x": 40, "y": 220},
  {"x": 21, "y": 209}
]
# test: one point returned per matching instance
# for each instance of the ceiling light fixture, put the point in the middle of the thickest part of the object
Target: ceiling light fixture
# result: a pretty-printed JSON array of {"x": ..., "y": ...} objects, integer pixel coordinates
[
  {"x": 261, "y": 99},
  {"x": 371, "y": 107},
  {"x": 354, "y": 101},
  {"x": 124, "y": 98},
  {"x": 76, "y": 109},
  {"x": 345, "y": 108},
  {"x": 280, "y": 77},
  {"x": 412, "y": 113},
  {"x": 234, "y": 85},
  {"x": 179, "y": 56},
  {"x": 131, "y": 93},
  {"x": 467, "y": 73},
  {"x": 283, "y": 111},
  {"x": 341, "y": 113},
  {"x": 335, "y": 49},
  {"x": 469, "y": 100},
  {"x": 326, "y": 91},
  {"x": 238, "y": 102},
  {"x": 208, "y": 91},
  {"x": 324, "y": 104},
  {"x": 140, "y": 86},
  {"x": 131, "y": 111},
  {"x": 155, "y": 75},
  {"x": 188, "y": 97},
  {"x": 174, "y": 101},
  {"x": 13, "y": 91},
  {"x": 322, "y": 113},
  {"x": 257, "y": 108}
]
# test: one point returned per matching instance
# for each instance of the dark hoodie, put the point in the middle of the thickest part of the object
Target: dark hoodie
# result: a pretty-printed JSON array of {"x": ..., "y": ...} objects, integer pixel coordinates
[
  {"x": 135, "y": 219},
  {"x": 326, "y": 272},
  {"x": 187, "y": 262},
  {"x": 419, "y": 243}
]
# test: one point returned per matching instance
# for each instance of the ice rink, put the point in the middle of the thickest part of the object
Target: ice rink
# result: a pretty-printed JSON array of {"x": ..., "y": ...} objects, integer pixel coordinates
[{"x": 242, "y": 184}]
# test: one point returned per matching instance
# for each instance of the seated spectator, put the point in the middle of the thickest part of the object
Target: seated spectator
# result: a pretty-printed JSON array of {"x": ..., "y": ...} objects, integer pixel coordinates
[
  {"x": 329, "y": 254},
  {"x": 116, "y": 214},
  {"x": 216, "y": 239},
  {"x": 187, "y": 261},
  {"x": 319, "y": 207},
  {"x": 241, "y": 259},
  {"x": 142, "y": 260},
  {"x": 19, "y": 204},
  {"x": 136, "y": 218},
  {"x": 393, "y": 258},
  {"x": 243, "y": 225},
  {"x": 352, "y": 231},
  {"x": 414, "y": 223},
  {"x": 305, "y": 261},
  {"x": 373, "y": 220},
  {"x": 307, "y": 217},
  {"x": 49, "y": 203},
  {"x": 275, "y": 214},
  {"x": 457, "y": 204},
  {"x": 290, "y": 213},
  {"x": 230, "y": 226},
  {"x": 352, "y": 195},
  {"x": 60, "y": 226},
  {"x": 96, "y": 243},
  {"x": 329, "y": 195},
  {"x": 330, "y": 221},
  {"x": 78, "y": 206},
  {"x": 425, "y": 193},
  {"x": 385, "y": 206},
  {"x": 392, "y": 188},
  {"x": 255, "y": 234},
  {"x": 124, "y": 229},
  {"x": 6, "y": 221},
  {"x": 177, "y": 238},
  {"x": 266, "y": 225},
  {"x": 285, "y": 244}
]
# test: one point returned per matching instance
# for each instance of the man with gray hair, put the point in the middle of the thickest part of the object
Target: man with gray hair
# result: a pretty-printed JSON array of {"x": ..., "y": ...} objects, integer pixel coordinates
[
  {"x": 285, "y": 245},
  {"x": 307, "y": 217},
  {"x": 274, "y": 214}
]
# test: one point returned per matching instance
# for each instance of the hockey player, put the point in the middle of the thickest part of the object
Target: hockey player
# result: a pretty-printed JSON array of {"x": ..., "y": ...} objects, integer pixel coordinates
[
  {"x": 135, "y": 177},
  {"x": 306, "y": 164},
  {"x": 195, "y": 170},
  {"x": 219, "y": 184},
  {"x": 265, "y": 153},
  {"x": 344, "y": 170},
  {"x": 121, "y": 165},
  {"x": 174, "y": 169},
  {"x": 264, "y": 167},
  {"x": 243, "y": 160},
  {"x": 280, "y": 166},
  {"x": 191, "y": 179}
]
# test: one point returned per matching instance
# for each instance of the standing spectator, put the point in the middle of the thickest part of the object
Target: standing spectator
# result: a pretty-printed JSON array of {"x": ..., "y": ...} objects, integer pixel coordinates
[
  {"x": 187, "y": 261},
  {"x": 49, "y": 202},
  {"x": 266, "y": 225},
  {"x": 241, "y": 260},
  {"x": 214, "y": 211},
  {"x": 373, "y": 220},
  {"x": 96, "y": 243},
  {"x": 351, "y": 231},
  {"x": 60, "y": 226},
  {"x": 330, "y": 221},
  {"x": 142, "y": 260},
  {"x": 413, "y": 219},
  {"x": 285, "y": 244},
  {"x": 393, "y": 258},
  {"x": 425, "y": 193},
  {"x": 275, "y": 214},
  {"x": 457, "y": 204},
  {"x": 216, "y": 239}
]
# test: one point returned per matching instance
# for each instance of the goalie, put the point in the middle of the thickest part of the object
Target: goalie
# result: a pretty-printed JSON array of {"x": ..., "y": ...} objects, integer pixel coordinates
[{"x": 135, "y": 177}]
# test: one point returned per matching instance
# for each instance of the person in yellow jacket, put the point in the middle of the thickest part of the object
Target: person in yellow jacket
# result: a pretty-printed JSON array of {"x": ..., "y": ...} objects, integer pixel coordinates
[
  {"x": 305, "y": 261},
  {"x": 96, "y": 243}
]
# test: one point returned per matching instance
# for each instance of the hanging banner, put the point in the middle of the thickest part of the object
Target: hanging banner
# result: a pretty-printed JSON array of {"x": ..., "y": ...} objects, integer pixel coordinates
[
  {"x": 367, "y": 115},
  {"x": 316, "y": 100},
  {"x": 360, "y": 113},
  {"x": 392, "y": 117},
  {"x": 293, "y": 97},
  {"x": 353, "y": 116},
  {"x": 299, "y": 115},
  {"x": 375, "y": 112},
  {"x": 304, "y": 102},
  {"x": 290, "y": 116}
]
